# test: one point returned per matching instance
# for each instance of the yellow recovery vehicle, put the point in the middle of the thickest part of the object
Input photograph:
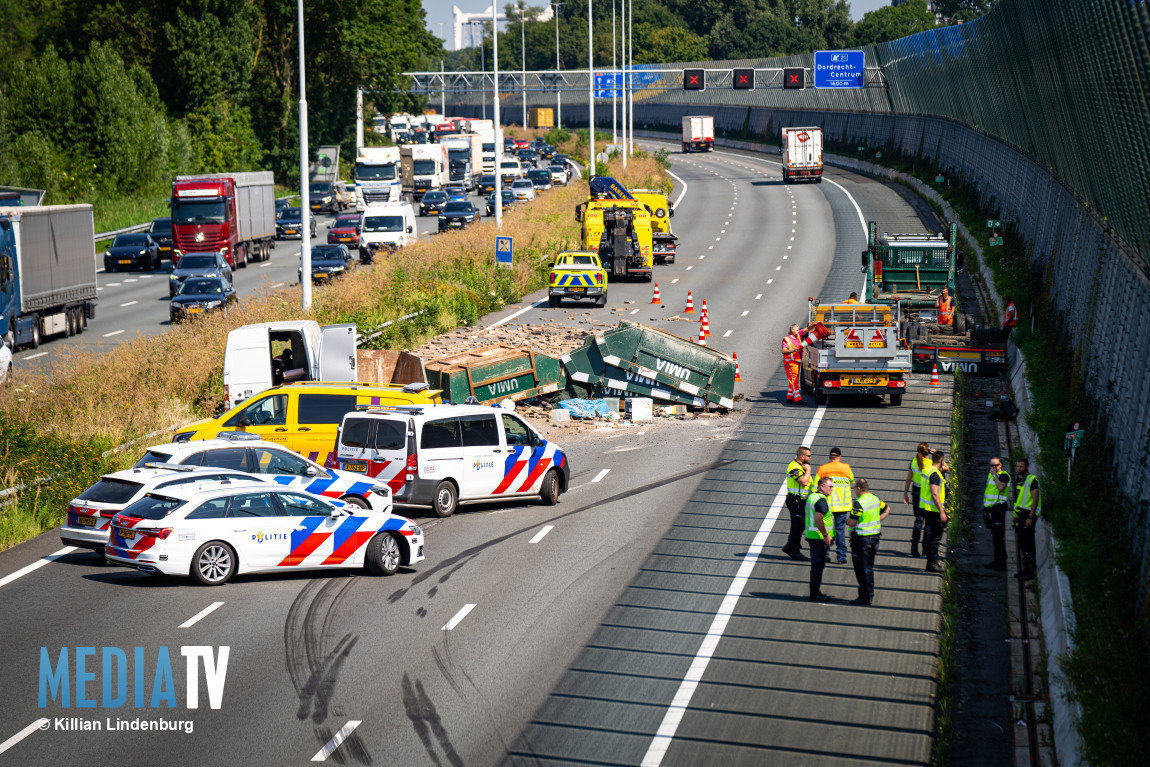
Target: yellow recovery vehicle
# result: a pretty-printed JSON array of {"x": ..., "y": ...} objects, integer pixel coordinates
[
  {"x": 618, "y": 228},
  {"x": 577, "y": 274},
  {"x": 663, "y": 241}
]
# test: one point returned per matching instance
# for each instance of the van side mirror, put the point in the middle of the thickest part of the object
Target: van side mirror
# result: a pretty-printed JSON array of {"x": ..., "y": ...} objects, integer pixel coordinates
[
  {"x": 245, "y": 421},
  {"x": 410, "y": 229},
  {"x": 959, "y": 262}
]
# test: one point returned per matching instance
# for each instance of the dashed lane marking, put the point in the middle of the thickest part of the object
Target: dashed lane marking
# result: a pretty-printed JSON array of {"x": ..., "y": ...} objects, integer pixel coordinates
[
  {"x": 539, "y": 535},
  {"x": 600, "y": 475},
  {"x": 674, "y": 280},
  {"x": 113, "y": 333},
  {"x": 746, "y": 311},
  {"x": 130, "y": 303},
  {"x": 201, "y": 615},
  {"x": 634, "y": 311},
  {"x": 459, "y": 616},
  {"x": 330, "y": 747},
  {"x": 36, "y": 566},
  {"x": 759, "y": 296},
  {"x": 35, "y": 356},
  {"x": 39, "y": 724}
]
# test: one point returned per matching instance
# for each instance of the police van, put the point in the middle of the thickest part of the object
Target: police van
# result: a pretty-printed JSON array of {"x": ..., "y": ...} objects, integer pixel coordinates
[{"x": 439, "y": 456}]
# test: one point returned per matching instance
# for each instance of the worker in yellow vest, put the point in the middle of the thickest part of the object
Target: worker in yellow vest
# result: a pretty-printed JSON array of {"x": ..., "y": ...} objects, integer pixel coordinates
[
  {"x": 800, "y": 483},
  {"x": 932, "y": 501},
  {"x": 1027, "y": 510},
  {"x": 840, "y": 502},
  {"x": 995, "y": 499},
  {"x": 866, "y": 528},
  {"x": 819, "y": 534},
  {"x": 918, "y": 464}
]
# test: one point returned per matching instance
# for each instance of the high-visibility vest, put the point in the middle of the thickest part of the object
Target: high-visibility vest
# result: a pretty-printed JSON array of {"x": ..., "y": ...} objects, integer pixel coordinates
[
  {"x": 870, "y": 522},
  {"x": 992, "y": 496},
  {"x": 792, "y": 349},
  {"x": 851, "y": 301},
  {"x": 1010, "y": 317},
  {"x": 916, "y": 473},
  {"x": 925, "y": 499},
  {"x": 1025, "y": 498},
  {"x": 840, "y": 501},
  {"x": 945, "y": 309},
  {"x": 828, "y": 518},
  {"x": 794, "y": 487}
]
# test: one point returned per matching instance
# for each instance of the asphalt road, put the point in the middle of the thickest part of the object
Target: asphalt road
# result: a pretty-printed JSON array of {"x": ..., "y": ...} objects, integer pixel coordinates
[{"x": 656, "y": 603}]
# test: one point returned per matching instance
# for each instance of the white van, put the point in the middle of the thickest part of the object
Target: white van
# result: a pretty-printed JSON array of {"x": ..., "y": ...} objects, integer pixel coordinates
[
  {"x": 510, "y": 170},
  {"x": 439, "y": 456},
  {"x": 386, "y": 226},
  {"x": 307, "y": 352}
]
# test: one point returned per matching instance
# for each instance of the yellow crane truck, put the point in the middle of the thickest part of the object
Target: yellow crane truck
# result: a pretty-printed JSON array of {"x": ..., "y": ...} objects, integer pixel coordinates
[
  {"x": 618, "y": 228},
  {"x": 663, "y": 240}
]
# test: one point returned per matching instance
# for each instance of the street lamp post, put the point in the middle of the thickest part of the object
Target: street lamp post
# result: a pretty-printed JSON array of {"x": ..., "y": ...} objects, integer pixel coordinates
[
  {"x": 304, "y": 201},
  {"x": 498, "y": 128},
  {"x": 624, "y": 46},
  {"x": 590, "y": 92},
  {"x": 523, "y": 62},
  {"x": 558, "y": 86},
  {"x": 630, "y": 75},
  {"x": 483, "y": 67},
  {"x": 614, "y": 70}
]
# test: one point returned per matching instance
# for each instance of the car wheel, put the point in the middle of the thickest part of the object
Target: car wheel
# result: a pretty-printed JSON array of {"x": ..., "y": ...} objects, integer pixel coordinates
[
  {"x": 10, "y": 339},
  {"x": 602, "y": 300},
  {"x": 552, "y": 301},
  {"x": 445, "y": 500},
  {"x": 959, "y": 324},
  {"x": 356, "y": 501},
  {"x": 35, "y": 333},
  {"x": 213, "y": 563},
  {"x": 805, "y": 387},
  {"x": 820, "y": 398},
  {"x": 549, "y": 490},
  {"x": 383, "y": 555},
  {"x": 68, "y": 323},
  {"x": 896, "y": 398}
]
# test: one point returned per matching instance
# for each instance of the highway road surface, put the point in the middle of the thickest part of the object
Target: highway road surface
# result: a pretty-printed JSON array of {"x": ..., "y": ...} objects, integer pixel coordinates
[{"x": 649, "y": 618}]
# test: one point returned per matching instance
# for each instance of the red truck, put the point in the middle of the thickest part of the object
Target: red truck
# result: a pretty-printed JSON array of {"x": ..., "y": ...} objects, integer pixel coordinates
[{"x": 228, "y": 213}]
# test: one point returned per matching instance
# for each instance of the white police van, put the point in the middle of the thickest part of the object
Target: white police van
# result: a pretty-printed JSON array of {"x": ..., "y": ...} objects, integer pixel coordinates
[{"x": 439, "y": 456}]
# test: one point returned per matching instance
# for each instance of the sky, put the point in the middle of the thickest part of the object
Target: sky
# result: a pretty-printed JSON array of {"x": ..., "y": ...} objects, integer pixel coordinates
[{"x": 439, "y": 12}]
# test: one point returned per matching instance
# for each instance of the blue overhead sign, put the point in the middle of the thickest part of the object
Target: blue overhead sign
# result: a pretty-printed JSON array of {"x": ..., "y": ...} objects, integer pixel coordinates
[
  {"x": 608, "y": 85},
  {"x": 840, "y": 69}
]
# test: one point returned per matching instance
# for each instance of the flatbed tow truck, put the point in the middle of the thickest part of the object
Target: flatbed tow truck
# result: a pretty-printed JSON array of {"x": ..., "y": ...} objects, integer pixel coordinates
[
  {"x": 858, "y": 351},
  {"x": 618, "y": 228}
]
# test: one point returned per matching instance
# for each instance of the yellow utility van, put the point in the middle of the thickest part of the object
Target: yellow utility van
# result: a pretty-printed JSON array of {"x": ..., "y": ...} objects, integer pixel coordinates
[{"x": 304, "y": 416}]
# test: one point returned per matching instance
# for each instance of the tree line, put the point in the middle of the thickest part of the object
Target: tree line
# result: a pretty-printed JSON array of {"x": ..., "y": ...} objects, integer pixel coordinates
[{"x": 115, "y": 97}]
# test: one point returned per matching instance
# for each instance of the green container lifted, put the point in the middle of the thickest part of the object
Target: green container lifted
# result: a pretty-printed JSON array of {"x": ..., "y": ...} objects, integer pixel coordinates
[{"x": 495, "y": 373}]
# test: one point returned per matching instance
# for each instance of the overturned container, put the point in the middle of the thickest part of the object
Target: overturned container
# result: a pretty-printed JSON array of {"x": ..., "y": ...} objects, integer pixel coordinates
[
  {"x": 495, "y": 373},
  {"x": 634, "y": 359}
]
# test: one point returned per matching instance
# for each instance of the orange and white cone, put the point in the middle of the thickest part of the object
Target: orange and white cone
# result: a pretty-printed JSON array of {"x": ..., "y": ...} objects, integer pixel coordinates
[
  {"x": 705, "y": 307},
  {"x": 704, "y": 326},
  {"x": 690, "y": 305},
  {"x": 655, "y": 298},
  {"x": 735, "y": 356},
  {"x": 934, "y": 376}
]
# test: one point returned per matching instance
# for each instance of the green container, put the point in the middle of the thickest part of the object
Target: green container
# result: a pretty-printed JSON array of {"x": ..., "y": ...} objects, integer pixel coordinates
[
  {"x": 643, "y": 361},
  {"x": 495, "y": 373}
]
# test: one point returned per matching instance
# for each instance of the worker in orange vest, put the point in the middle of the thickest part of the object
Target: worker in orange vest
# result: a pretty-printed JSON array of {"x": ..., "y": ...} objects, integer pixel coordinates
[
  {"x": 840, "y": 499},
  {"x": 1009, "y": 318},
  {"x": 793, "y": 343},
  {"x": 854, "y": 299},
  {"x": 945, "y": 308}
]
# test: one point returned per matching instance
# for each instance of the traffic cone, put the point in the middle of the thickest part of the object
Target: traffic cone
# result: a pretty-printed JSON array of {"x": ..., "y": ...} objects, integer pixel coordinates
[
  {"x": 702, "y": 340},
  {"x": 704, "y": 307},
  {"x": 690, "y": 305},
  {"x": 655, "y": 298},
  {"x": 934, "y": 376},
  {"x": 735, "y": 356},
  {"x": 704, "y": 326}
]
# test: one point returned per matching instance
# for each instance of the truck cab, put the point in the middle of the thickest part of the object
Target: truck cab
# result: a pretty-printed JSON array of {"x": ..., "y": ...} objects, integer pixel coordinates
[
  {"x": 423, "y": 167},
  {"x": 663, "y": 241},
  {"x": 911, "y": 269},
  {"x": 376, "y": 175}
]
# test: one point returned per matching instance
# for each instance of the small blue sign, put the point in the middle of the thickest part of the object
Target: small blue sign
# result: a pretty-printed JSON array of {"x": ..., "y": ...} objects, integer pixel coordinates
[
  {"x": 503, "y": 250},
  {"x": 840, "y": 69}
]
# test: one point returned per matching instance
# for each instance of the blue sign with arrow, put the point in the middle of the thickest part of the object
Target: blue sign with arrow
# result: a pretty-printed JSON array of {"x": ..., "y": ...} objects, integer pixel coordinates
[{"x": 840, "y": 69}]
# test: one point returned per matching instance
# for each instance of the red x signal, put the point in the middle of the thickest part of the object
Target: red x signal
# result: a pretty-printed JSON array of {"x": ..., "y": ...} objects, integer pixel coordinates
[
  {"x": 694, "y": 80},
  {"x": 794, "y": 78}
]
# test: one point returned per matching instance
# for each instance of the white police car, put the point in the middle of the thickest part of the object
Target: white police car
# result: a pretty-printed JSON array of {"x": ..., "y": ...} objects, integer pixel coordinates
[
  {"x": 443, "y": 455},
  {"x": 246, "y": 452},
  {"x": 231, "y": 528},
  {"x": 89, "y": 515}
]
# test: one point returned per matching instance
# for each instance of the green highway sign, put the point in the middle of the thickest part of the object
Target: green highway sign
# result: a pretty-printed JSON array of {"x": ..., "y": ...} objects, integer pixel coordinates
[
  {"x": 993, "y": 223},
  {"x": 939, "y": 178},
  {"x": 996, "y": 242},
  {"x": 862, "y": 148},
  {"x": 878, "y": 155},
  {"x": 1073, "y": 439}
]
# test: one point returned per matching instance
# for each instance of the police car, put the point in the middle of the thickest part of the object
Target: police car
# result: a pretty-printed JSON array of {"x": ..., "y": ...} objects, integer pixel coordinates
[
  {"x": 246, "y": 452},
  {"x": 89, "y": 515},
  {"x": 443, "y": 455},
  {"x": 211, "y": 534}
]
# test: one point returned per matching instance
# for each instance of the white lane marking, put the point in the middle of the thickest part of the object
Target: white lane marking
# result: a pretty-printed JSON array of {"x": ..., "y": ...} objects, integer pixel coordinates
[
  {"x": 710, "y": 247},
  {"x": 769, "y": 282},
  {"x": 778, "y": 268},
  {"x": 131, "y": 279},
  {"x": 670, "y": 725},
  {"x": 39, "y": 724},
  {"x": 792, "y": 239},
  {"x": 459, "y": 616},
  {"x": 678, "y": 199},
  {"x": 113, "y": 285},
  {"x": 785, "y": 258},
  {"x": 672, "y": 282},
  {"x": 130, "y": 303},
  {"x": 539, "y": 535},
  {"x": 689, "y": 268},
  {"x": 201, "y": 614},
  {"x": 36, "y": 355},
  {"x": 758, "y": 296},
  {"x": 278, "y": 285},
  {"x": 701, "y": 257},
  {"x": 146, "y": 276},
  {"x": 789, "y": 247},
  {"x": 725, "y": 223},
  {"x": 747, "y": 311},
  {"x": 600, "y": 475},
  {"x": 721, "y": 231},
  {"x": 717, "y": 239},
  {"x": 330, "y": 747},
  {"x": 728, "y": 333},
  {"x": 524, "y": 310},
  {"x": 265, "y": 264},
  {"x": 634, "y": 311},
  {"x": 98, "y": 289},
  {"x": 113, "y": 333},
  {"x": 36, "y": 565},
  {"x": 792, "y": 232}
]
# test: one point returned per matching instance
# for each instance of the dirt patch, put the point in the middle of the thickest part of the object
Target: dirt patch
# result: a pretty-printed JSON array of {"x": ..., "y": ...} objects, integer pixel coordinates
[{"x": 548, "y": 338}]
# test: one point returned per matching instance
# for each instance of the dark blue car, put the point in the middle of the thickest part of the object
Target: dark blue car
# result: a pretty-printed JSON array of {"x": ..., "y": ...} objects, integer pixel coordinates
[{"x": 132, "y": 251}]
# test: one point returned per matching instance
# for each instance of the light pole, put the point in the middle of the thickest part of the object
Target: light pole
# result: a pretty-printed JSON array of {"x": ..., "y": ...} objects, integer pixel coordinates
[
  {"x": 483, "y": 64},
  {"x": 590, "y": 91},
  {"x": 558, "y": 86},
  {"x": 628, "y": 76},
  {"x": 614, "y": 70},
  {"x": 304, "y": 201},
  {"x": 624, "y": 46},
  {"x": 523, "y": 53},
  {"x": 498, "y": 128}
]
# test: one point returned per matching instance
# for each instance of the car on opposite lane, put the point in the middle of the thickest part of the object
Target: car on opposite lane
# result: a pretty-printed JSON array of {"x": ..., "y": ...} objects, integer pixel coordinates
[
  {"x": 523, "y": 189},
  {"x": 509, "y": 201},
  {"x": 212, "y": 534},
  {"x": 432, "y": 203},
  {"x": 289, "y": 224},
  {"x": 132, "y": 251},
  {"x": 346, "y": 230},
  {"x": 329, "y": 262},
  {"x": 540, "y": 178},
  {"x": 271, "y": 462},
  {"x": 486, "y": 184},
  {"x": 200, "y": 295},
  {"x": 199, "y": 265},
  {"x": 161, "y": 231},
  {"x": 457, "y": 215},
  {"x": 88, "y": 517}
]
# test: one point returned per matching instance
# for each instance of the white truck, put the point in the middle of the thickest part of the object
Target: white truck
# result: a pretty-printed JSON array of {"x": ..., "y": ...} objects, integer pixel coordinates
[
  {"x": 857, "y": 351},
  {"x": 699, "y": 133},
  {"x": 464, "y": 158},
  {"x": 423, "y": 168},
  {"x": 397, "y": 124},
  {"x": 487, "y": 139},
  {"x": 386, "y": 226},
  {"x": 802, "y": 151},
  {"x": 376, "y": 175}
]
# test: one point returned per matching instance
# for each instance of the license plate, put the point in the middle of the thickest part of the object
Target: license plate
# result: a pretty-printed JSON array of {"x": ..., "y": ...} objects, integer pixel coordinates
[
  {"x": 866, "y": 381},
  {"x": 125, "y": 260},
  {"x": 196, "y": 310},
  {"x": 293, "y": 231},
  {"x": 165, "y": 247},
  {"x": 358, "y": 466},
  {"x": 127, "y": 534},
  {"x": 86, "y": 521},
  {"x": 577, "y": 290}
]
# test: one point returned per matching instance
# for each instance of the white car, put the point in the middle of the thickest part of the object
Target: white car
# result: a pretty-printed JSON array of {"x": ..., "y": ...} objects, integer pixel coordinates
[
  {"x": 246, "y": 452},
  {"x": 523, "y": 189},
  {"x": 559, "y": 174},
  {"x": 212, "y": 534},
  {"x": 89, "y": 515}
]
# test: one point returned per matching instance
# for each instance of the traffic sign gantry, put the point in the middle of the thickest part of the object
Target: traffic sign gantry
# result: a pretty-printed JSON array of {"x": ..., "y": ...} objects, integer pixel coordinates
[
  {"x": 503, "y": 250},
  {"x": 694, "y": 80},
  {"x": 743, "y": 79},
  {"x": 840, "y": 69},
  {"x": 794, "y": 78}
]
